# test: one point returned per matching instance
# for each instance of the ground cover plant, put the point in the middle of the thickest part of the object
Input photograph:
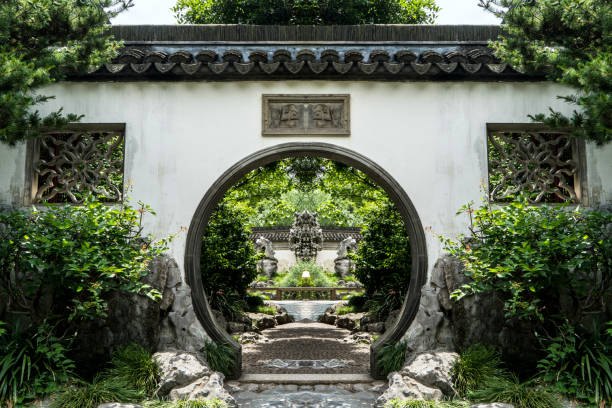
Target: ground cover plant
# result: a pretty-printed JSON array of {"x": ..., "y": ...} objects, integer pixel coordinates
[
  {"x": 475, "y": 365},
  {"x": 412, "y": 403},
  {"x": 214, "y": 403},
  {"x": 391, "y": 357},
  {"x": 83, "y": 394},
  {"x": 219, "y": 356},
  {"x": 135, "y": 365},
  {"x": 318, "y": 276}
]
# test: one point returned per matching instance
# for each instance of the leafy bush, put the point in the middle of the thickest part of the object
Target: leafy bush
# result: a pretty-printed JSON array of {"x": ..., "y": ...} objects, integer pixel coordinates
[
  {"x": 254, "y": 301},
  {"x": 32, "y": 361},
  {"x": 511, "y": 391},
  {"x": 89, "y": 395},
  {"x": 318, "y": 275},
  {"x": 74, "y": 257},
  {"x": 219, "y": 356},
  {"x": 391, "y": 357},
  {"x": 342, "y": 310},
  {"x": 358, "y": 302},
  {"x": 542, "y": 261},
  {"x": 214, "y": 403},
  {"x": 135, "y": 365},
  {"x": 227, "y": 261},
  {"x": 579, "y": 363},
  {"x": 305, "y": 12},
  {"x": 383, "y": 259},
  {"x": 474, "y": 367},
  {"x": 411, "y": 403},
  {"x": 382, "y": 304}
]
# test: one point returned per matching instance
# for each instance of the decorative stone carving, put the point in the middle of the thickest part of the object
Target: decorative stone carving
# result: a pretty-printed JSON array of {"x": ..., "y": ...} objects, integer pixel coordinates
[
  {"x": 269, "y": 264},
  {"x": 306, "y": 115},
  {"x": 305, "y": 236},
  {"x": 72, "y": 164},
  {"x": 343, "y": 264},
  {"x": 538, "y": 163}
]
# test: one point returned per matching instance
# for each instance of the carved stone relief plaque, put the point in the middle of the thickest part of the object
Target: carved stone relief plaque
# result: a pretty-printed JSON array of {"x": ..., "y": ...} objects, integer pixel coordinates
[{"x": 327, "y": 115}]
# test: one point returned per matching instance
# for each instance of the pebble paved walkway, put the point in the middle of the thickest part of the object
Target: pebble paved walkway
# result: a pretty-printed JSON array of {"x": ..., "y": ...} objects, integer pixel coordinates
[{"x": 305, "y": 340}]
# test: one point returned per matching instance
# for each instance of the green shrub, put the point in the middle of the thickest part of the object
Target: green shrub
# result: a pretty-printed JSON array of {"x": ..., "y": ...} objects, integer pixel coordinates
[
  {"x": 381, "y": 305},
  {"x": 228, "y": 261},
  {"x": 579, "y": 363},
  {"x": 410, "y": 403},
  {"x": 220, "y": 357},
  {"x": 476, "y": 365},
  {"x": 391, "y": 357},
  {"x": 269, "y": 310},
  {"x": 231, "y": 304},
  {"x": 214, "y": 403},
  {"x": 101, "y": 390},
  {"x": 358, "y": 302},
  {"x": 511, "y": 391},
  {"x": 254, "y": 301},
  {"x": 537, "y": 258},
  {"x": 32, "y": 361},
  {"x": 318, "y": 275},
  {"x": 135, "y": 365},
  {"x": 383, "y": 259},
  {"x": 342, "y": 310},
  {"x": 76, "y": 255}
]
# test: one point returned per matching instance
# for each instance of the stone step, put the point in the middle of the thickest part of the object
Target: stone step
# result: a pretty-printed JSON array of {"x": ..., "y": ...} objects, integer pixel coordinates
[{"x": 306, "y": 379}]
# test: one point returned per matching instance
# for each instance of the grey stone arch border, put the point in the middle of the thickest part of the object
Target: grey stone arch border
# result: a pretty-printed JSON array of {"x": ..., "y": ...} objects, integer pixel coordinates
[{"x": 374, "y": 171}]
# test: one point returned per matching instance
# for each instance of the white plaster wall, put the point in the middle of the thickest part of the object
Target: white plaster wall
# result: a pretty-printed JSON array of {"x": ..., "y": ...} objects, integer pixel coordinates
[
  {"x": 12, "y": 173},
  {"x": 430, "y": 137}
]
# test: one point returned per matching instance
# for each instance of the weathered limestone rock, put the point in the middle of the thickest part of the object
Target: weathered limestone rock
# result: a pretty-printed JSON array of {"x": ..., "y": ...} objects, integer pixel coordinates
[
  {"x": 433, "y": 368},
  {"x": 262, "y": 321},
  {"x": 391, "y": 319},
  {"x": 405, "y": 388},
  {"x": 283, "y": 318},
  {"x": 235, "y": 327},
  {"x": 349, "y": 321},
  {"x": 377, "y": 327},
  {"x": 179, "y": 368},
  {"x": 481, "y": 318},
  {"x": 208, "y": 387},
  {"x": 131, "y": 318}
]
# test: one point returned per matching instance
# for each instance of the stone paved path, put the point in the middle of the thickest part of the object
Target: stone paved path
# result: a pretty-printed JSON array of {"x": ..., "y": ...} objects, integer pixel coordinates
[{"x": 305, "y": 340}]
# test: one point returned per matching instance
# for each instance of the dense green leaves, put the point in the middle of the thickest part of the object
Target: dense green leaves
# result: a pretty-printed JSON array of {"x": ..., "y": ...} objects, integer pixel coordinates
[
  {"x": 383, "y": 260},
  {"x": 542, "y": 261},
  {"x": 66, "y": 260},
  {"x": 571, "y": 40},
  {"x": 227, "y": 260},
  {"x": 305, "y": 12},
  {"x": 41, "y": 41}
]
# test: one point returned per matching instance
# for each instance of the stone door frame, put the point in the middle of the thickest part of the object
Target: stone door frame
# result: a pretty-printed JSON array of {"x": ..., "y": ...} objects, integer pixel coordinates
[{"x": 333, "y": 152}]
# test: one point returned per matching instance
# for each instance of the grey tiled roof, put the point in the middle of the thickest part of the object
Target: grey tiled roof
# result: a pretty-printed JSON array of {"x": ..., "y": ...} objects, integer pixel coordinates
[{"x": 371, "y": 52}]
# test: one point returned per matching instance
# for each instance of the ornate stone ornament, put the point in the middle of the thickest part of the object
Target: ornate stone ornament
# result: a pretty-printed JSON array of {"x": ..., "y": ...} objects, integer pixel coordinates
[
  {"x": 305, "y": 236},
  {"x": 269, "y": 264},
  {"x": 343, "y": 264},
  {"x": 327, "y": 115}
]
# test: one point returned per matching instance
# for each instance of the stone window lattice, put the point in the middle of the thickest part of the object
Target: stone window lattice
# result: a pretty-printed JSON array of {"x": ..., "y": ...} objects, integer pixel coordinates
[
  {"x": 70, "y": 164},
  {"x": 544, "y": 165}
]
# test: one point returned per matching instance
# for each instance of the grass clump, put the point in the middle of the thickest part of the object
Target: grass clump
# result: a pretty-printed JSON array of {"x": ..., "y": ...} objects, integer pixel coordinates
[
  {"x": 269, "y": 310},
  {"x": 526, "y": 394},
  {"x": 391, "y": 357},
  {"x": 214, "y": 403},
  {"x": 135, "y": 365},
  {"x": 411, "y": 403},
  {"x": 476, "y": 365},
  {"x": 342, "y": 310},
  {"x": 103, "y": 389},
  {"x": 220, "y": 357}
]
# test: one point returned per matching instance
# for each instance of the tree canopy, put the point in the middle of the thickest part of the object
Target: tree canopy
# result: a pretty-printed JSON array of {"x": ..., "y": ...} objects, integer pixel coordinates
[
  {"x": 305, "y": 12},
  {"x": 41, "y": 41},
  {"x": 269, "y": 195},
  {"x": 571, "y": 40}
]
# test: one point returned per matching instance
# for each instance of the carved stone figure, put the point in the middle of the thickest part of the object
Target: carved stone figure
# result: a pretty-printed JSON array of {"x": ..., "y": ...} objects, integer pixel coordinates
[
  {"x": 269, "y": 264},
  {"x": 343, "y": 264},
  {"x": 305, "y": 236}
]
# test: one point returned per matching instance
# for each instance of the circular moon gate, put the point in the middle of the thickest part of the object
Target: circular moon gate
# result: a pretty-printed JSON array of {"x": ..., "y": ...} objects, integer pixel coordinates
[{"x": 374, "y": 171}]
